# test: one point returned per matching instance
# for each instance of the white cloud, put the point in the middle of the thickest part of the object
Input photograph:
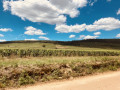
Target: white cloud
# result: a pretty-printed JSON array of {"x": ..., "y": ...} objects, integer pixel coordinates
[
  {"x": 33, "y": 31},
  {"x": 107, "y": 24},
  {"x": 87, "y": 37},
  {"x": 30, "y": 28},
  {"x": 46, "y": 11},
  {"x": 6, "y": 5},
  {"x": 45, "y": 38},
  {"x": 30, "y": 39},
  {"x": 1, "y": 35},
  {"x": 71, "y": 36},
  {"x": 118, "y": 12},
  {"x": 104, "y": 24},
  {"x": 5, "y": 29},
  {"x": 92, "y": 3},
  {"x": 73, "y": 28},
  {"x": 90, "y": 37},
  {"x": 118, "y": 35},
  {"x": 81, "y": 36},
  {"x": 2, "y": 40},
  {"x": 97, "y": 33}
]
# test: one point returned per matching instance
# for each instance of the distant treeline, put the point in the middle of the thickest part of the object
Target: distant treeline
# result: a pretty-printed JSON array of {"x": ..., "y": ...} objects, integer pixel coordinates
[{"x": 74, "y": 41}]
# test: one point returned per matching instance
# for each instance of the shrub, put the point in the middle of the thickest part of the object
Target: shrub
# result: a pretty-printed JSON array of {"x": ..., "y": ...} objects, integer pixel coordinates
[{"x": 44, "y": 46}]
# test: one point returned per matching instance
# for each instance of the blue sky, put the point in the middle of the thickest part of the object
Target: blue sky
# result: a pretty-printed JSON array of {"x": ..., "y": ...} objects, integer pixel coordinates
[{"x": 63, "y": 20}]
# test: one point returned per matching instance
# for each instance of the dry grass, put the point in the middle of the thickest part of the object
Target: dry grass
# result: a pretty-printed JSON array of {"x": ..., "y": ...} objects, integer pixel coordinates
[
  {"x": 22, "y": 71},
  {"x": 4, "y": 62}
]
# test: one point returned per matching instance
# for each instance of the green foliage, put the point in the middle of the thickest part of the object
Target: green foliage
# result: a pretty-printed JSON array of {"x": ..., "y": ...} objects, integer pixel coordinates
[
  {"x": 25, "y": 79},
  {"x": 42, "y": 53},
  {"x": 3, "y": 81},
  {"x": 44, "y": 45}
]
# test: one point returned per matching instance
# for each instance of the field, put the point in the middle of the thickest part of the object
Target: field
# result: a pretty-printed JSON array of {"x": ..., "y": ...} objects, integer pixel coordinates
[
  {"x": 100, "y": 44},
  {"x": 29, "y": 62},
  {"x": 16, "y": 72},
  {"x": 37, "y": 45}
]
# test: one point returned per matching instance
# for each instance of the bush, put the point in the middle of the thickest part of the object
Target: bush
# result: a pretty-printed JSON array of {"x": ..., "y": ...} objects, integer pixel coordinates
[{"x": 44, "y": 46}]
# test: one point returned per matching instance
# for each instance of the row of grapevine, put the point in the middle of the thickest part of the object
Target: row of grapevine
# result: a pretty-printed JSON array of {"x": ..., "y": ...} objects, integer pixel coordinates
[{"x": 41, "y": 53}]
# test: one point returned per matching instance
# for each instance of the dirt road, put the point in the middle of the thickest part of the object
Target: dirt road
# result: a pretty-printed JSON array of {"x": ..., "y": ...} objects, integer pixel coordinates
[{"x": 106, "y": 81}]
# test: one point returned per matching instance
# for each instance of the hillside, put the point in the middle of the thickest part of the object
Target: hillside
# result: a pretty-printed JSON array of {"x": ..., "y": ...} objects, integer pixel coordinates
[
  {"x": 81, "y": 44},
  {"x": 29, "y": 62}
]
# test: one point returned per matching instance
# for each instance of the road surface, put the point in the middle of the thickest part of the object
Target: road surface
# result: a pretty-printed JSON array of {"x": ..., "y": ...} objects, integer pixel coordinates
[{"x": 106, "y": 81}]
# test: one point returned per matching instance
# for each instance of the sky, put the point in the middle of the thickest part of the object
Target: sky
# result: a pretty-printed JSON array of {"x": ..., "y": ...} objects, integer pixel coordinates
[{"x": 61, "y": 20}]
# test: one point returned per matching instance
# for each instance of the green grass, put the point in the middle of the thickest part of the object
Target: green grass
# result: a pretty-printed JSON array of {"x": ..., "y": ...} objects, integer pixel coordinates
[
  {"x": 95, "y": 44},
  {"x": 27, "y": 46},
  {"x": 5, "y": 62},
  {"x": 38, "y": 45}
]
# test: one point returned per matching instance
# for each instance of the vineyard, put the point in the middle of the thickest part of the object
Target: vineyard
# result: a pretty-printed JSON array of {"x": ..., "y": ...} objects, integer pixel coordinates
[
  {"x": 29, "y": 62},
  {"x": 45, "y": 53}
]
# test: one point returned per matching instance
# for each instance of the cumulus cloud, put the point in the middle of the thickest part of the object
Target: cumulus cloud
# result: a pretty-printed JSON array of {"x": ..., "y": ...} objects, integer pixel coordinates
[
  {"x": 46, "y": 11},
  {"x": 45, "y": 38},
  {"x": 30, "y": 39},
  {"x": 118, "y": 12},
  {"x": 118, "y": 35},
  {"x": 92, "y": 3},
  {"x": 90, "y": 37},
  {"x": 107, "y": 24},
  {"x": 73, "y": 28},
  {"x": 71, "y": 36},
  {"x": 6, "y": 5},
  {"x": 1, "y": 35},
  {"x": 33, "y": 31},
  {"x": 5, "y": 29},
  {"x": 81, "y": 36},
  {"x": 87, "y": 37},
  {"x": 97, "y": 33},
  {"x": 2, "y": 40},
  {"x": 104, "y": 24}
]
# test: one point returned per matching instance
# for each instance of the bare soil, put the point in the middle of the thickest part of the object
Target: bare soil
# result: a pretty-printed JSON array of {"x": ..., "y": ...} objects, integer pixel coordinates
[{"x": 106, "y": 81}]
